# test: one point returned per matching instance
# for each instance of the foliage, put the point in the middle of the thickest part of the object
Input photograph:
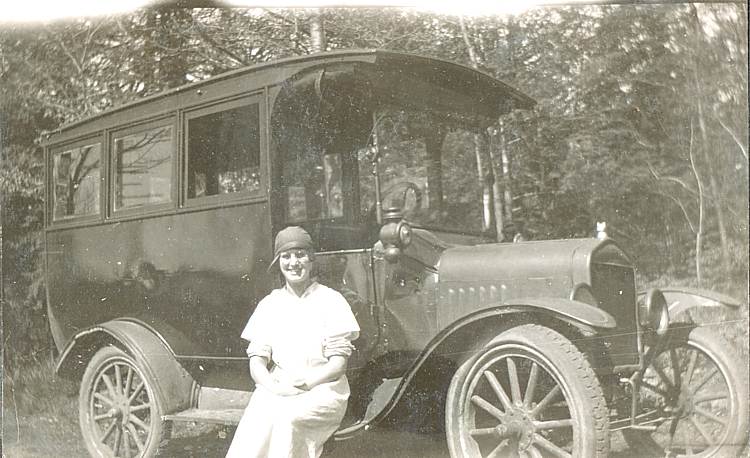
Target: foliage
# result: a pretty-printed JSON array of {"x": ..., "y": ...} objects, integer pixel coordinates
[
  {"x": 39, "y": 412},
  {"x": 641, "y": 117}
]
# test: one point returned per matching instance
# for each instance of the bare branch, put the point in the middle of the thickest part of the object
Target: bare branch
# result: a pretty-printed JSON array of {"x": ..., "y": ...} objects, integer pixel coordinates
[
  {"x": 682, "y": 207},
  {"x": 285, "y": 20},
  {"x": 123, "y": 29},
  {"x": 743, "y": 150},
  {"x": 237, "y": 59},
  {"x": 387, "y": 43},
  {"x": 87, "y": 42},
  {"x": 65, "y": 50},
  {"x": 682, "y": 183}
]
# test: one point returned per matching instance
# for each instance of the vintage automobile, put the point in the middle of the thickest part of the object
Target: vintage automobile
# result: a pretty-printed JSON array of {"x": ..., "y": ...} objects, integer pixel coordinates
[{"x": 159, "y": 228}]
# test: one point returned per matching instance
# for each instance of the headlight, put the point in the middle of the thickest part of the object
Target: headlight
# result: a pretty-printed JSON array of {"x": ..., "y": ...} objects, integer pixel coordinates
[
  {"x": 404, "y": 234},
  {"x": 583, "y": 293},
  {"x": 395, "y": 234},
  {"x": 653, "y": 313}
]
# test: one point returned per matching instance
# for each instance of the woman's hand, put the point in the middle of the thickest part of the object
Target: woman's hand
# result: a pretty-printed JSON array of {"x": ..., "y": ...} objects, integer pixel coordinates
[
  {"x": 262, "y": 377},
  {"x": 334, "y": 368},
  {"x": 284, "y": 389}
]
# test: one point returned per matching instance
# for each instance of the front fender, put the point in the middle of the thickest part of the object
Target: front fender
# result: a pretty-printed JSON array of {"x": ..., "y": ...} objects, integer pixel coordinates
[
  {"x": 451, "y": 342},
  {"x": 145, "y": 345},
  {"x": 575, "y": 312},
  {"x": 679, "y": 299}
]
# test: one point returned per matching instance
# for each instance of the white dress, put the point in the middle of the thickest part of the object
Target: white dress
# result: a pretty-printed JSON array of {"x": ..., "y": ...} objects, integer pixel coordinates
[{"x": 296, "y": 333}]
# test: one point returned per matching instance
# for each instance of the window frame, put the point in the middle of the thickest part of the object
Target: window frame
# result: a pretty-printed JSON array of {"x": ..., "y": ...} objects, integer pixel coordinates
[
  {"x": 97, "y": 216},
  {"x": 146, "y": 209},
  {"x": 232, "y": 197}
]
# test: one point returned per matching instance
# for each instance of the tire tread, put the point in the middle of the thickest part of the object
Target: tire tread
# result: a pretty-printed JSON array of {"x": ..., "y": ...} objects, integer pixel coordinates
[
  {"x": 565, "y": 356},
  {"x": 591, "y": 383}
]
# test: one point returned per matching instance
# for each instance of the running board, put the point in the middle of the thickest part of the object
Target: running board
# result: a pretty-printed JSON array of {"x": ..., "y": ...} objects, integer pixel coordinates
[
  {"x": 231, "y": 416},
  {"x": 226, "y": 417},
  {"x": 218, "y": 406}
]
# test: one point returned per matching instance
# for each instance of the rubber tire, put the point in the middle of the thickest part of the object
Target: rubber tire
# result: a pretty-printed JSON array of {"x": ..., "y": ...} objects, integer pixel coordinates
[
  {"x": 735, "y": 375},
  {"x": 556, "y": 354},
  {"x": 160, "y": 430}
]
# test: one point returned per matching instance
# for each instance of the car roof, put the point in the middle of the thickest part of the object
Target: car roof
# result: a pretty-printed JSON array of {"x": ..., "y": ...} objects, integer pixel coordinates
[{"x": 484, "y": 86}]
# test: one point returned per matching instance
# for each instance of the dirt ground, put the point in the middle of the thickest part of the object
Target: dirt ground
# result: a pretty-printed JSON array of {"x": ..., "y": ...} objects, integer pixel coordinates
[
  {"x": 55, "y": 433},
  {"x": 45, "y": 436}
]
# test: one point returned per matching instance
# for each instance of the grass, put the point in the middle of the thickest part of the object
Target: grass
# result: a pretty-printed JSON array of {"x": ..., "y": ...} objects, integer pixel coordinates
[
  {"x": 40, "y": 418},
  {"x": 40, "y": 414}
]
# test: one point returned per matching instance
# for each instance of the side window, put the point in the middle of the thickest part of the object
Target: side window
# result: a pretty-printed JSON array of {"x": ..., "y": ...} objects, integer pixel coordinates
[
  {"x": 223, "y": 150},
  {"x": 76, "y": 174},
  {"x": 143, "y": 167}
]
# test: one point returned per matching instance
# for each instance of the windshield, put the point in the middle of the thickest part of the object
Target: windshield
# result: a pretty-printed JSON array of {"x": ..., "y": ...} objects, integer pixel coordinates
[{"x": 432, "y": 166}]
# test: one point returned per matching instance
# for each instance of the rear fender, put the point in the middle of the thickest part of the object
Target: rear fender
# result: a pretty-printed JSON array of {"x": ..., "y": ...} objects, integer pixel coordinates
[
  {"x": 679, "y": 299},
  {"x": 144, "y": 344},
  {"x": 464, "y": 336}
]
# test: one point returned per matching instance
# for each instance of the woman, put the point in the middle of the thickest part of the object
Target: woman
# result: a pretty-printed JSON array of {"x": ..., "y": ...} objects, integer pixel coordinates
[{"x": 305, "y": 329}]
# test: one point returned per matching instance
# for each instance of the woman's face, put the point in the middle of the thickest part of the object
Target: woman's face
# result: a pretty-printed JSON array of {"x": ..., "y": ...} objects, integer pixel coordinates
[{"x": 296, "y": 266}]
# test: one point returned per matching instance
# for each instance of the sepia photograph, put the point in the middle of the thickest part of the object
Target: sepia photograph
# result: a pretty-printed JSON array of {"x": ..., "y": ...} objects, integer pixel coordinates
[{"x": 375, "y": 229}]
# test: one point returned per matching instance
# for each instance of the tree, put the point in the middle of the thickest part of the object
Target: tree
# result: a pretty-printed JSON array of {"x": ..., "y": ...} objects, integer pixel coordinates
[{"x": 641, "y": 118}]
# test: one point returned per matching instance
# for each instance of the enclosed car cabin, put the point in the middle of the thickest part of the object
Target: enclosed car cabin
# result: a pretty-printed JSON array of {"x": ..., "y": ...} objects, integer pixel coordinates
[{"x": 161, "y": 213}]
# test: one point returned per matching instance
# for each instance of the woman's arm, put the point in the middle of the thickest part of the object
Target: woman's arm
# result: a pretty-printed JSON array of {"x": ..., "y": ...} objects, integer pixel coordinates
[
  {"x": 261, "y": 376},
  {"x": 328, "y": 372},
  {"x": 336, "y": 349}
]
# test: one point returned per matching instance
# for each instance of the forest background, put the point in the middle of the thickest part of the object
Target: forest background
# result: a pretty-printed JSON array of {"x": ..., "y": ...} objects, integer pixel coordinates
[{"x": 641, "y": 121}]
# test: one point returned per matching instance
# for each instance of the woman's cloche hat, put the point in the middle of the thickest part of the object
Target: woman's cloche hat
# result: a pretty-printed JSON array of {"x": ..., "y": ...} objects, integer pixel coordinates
[{"x": 289, "y": 238}]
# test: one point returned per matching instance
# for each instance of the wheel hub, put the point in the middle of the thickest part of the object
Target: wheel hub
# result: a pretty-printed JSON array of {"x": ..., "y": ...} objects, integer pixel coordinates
[
  {"x": 121, "y": 409},
  {"x": 518, "y": 423}
]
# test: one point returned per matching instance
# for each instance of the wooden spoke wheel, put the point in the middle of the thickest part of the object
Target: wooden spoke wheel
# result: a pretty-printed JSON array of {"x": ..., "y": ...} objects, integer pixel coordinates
[
  {"x": 695, "y": 394},
  {"x": 119, "y": 412},
  {"x": 528, "y": 393}
]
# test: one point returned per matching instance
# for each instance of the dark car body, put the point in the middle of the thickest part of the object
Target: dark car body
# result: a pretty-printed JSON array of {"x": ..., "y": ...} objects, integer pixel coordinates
[{"x": 209, "y": 256}]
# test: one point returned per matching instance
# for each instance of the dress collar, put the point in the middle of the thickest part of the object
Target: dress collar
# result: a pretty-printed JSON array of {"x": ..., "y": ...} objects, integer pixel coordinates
[{"x": 307, "y": 291}]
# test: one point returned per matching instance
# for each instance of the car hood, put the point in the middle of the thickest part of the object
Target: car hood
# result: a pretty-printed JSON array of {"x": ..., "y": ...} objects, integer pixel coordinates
[{"x": 568, "y": 258}]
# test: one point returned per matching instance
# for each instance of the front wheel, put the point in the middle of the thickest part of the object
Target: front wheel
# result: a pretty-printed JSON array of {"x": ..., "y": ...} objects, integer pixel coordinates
[
  {"x": 119, "y": 411},
  {"x": 528, "y": 393},
  {"x": 695, "y": 395}
]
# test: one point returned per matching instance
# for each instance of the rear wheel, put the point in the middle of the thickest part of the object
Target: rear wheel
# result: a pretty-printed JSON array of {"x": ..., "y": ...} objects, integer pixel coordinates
[
  {"x": 119, "y": 410},
  {"x": 695, "y": 393},
  {"x": 528, "y": 393}
]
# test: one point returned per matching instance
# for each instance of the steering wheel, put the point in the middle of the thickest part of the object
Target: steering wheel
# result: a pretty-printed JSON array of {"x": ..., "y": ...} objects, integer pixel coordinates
[{"x": 391, "y": 196}]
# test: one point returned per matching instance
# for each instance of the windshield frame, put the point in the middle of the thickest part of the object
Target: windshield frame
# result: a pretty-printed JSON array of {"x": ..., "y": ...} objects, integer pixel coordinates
[{"x": 443, "y": 123}]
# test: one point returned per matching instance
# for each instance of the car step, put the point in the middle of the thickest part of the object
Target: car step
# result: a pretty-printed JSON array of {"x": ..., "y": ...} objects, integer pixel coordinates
[{"x": 219, "y": 417}]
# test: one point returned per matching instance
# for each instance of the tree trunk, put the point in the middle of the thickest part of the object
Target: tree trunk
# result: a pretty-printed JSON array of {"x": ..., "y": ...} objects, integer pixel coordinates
[
  {"x": 507, "y": 191},
  {"x": 699, "y": 231},
  {"x": 494, "y": 199},
  {"x": 317, "y": 31},
  {"x": 715, "y": 195},
  {"x": 485, "y": 178},
  {"x": 497, "y": 193},
  {"x": 712, "y": 184}
]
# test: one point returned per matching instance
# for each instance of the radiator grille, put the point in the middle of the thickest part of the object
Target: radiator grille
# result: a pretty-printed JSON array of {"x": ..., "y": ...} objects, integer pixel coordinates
[{"x": 614, "y": 288}]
